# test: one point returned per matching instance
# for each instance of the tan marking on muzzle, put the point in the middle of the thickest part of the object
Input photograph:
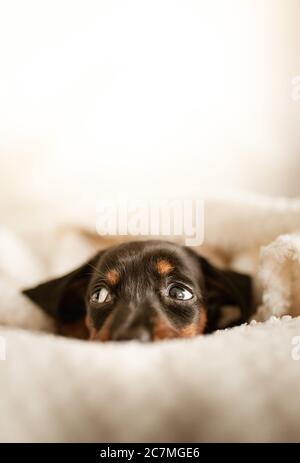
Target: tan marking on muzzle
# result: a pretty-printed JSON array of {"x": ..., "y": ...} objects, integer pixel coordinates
[
  {"x": 91, "y": 329},
  {"x": 202, "y": 320},
  {"x": 103, "y": 334},
  {"x": 163, "y": 330},
  {"x": 188, "y": 331}
]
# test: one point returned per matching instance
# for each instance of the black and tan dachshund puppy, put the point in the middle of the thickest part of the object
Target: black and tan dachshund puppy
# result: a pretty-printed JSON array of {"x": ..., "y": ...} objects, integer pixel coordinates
[{"x": 143, "y": 290}]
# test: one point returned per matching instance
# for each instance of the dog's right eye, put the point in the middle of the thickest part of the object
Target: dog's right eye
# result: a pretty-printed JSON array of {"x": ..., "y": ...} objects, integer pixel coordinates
[
  {"x": 180, "y": 293},
  {"x": 100, "y": 296}
]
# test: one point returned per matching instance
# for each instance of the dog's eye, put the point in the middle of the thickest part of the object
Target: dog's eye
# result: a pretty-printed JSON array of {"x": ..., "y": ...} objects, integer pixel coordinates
[
  {"x": 179, "y": 293},
  {"x": 100, "y": 296}
]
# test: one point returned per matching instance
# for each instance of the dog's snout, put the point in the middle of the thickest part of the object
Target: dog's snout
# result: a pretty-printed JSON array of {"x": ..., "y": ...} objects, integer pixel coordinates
[{"x": 138, "y": 333}]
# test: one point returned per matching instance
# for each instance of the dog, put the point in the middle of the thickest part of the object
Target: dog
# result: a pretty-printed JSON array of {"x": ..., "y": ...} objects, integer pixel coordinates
[{"x": 146, "y": 291}]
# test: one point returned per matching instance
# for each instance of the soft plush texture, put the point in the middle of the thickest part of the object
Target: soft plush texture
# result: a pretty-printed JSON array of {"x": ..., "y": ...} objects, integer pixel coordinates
[
  {"x": 238, "y": 385},
  {"x": 235, "y": 385}
]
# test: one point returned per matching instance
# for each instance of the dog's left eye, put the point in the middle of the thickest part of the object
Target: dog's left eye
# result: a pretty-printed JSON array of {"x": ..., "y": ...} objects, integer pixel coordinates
[
  {"x": 179, "y": 293},
  {"x": 100, "y": 296}
]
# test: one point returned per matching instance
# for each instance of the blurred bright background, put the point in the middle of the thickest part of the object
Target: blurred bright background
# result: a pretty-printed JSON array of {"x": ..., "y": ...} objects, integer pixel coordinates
[{"x": 156, "y": 98}]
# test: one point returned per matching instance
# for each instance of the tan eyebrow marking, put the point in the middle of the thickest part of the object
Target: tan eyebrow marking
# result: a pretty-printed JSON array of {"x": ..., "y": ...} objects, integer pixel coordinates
[
  {"x": 112, "y": 277},
  {"x": 164, "y": 267}
]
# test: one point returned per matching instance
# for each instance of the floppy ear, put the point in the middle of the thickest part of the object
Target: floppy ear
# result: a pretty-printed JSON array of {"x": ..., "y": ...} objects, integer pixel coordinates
[
  {"x": 64, "y": 298},
  {"x": 223, "y": 290}
]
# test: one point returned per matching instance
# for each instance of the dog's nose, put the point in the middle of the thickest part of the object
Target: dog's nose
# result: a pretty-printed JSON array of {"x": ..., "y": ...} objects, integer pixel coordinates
[{"x": 138, "y": 333}]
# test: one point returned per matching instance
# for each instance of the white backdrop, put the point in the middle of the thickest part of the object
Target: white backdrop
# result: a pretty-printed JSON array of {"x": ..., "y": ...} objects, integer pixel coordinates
[{"x": 160, "y": 97}]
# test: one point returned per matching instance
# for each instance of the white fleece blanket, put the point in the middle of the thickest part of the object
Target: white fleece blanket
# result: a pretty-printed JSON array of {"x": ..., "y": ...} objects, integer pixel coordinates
[{"x": 235, "y": 385}]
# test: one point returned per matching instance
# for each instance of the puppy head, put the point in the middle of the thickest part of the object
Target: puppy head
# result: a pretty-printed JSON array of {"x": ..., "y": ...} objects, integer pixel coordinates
[{"x": 146, "y": 290}]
